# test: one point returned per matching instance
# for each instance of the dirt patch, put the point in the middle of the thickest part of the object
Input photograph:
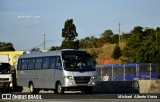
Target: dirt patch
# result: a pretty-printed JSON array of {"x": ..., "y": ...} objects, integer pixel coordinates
[{"x": 149, "y": 86}]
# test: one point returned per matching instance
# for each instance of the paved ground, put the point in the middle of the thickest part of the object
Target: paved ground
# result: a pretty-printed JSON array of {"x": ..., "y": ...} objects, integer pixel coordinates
[{"x": 102, "y": 93}]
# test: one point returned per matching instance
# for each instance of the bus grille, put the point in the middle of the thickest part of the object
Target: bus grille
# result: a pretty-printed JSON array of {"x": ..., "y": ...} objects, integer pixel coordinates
[
  {"x": 4, "y": 79},
  {"x": 82, "y": 80}
]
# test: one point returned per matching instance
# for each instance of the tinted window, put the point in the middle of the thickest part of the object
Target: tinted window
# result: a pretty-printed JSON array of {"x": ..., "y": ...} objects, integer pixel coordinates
[
  {"x": 133, "y": 71},
  {"x": 58, "y": 62},
  {"x": 52, "y": 62},
  {"x": 154, "y": 68},
  {"x": 38, "y": 63},
  {"x": 19, "y": 64},
  {"x": 31, "y": 63},
  {"x": 45, "y": 63},
  {"x": 24, "y": 63},
  {"x": 109, "y": 71},
  {"x": 120, "y": 71},
  {"x": 130, "y": 71},
  {"x": 144, "y": 68}
]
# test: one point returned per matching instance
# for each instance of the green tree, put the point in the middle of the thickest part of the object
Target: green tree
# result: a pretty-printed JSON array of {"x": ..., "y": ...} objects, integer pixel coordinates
[
  {"x": 55, "y": 48},
  {"x": 114, "y": 39},
  {"x": 6, "y": 46},
  {"x": 134, "y": 43},
  {"x": 35, "y": 49},
  {"x": 69, "y": 44},
  {"x": 117, "y": 52},
  {"x": 143, "y": 46},
  {"x": 85, "y": 43},
  {"x": 88, "y": 42},
  {"x": 149, "y": 51},
  {"x": 69, "y": 34},
  {"x": 106, "y": 36},
  {"x": 93, "y": 53}
]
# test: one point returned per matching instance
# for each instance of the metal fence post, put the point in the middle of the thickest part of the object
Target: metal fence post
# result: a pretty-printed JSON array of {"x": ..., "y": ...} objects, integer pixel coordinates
[
  {"x": 112, "y": 73},
  {"x": 137, "y": 71},
  {"x": 150, "y": 70},
  {"x": 124, "y": 72},
  {"x": 101, "y": 73}
]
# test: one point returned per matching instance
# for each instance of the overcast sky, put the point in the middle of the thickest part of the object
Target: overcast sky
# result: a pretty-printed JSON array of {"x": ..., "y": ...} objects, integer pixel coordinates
[{"x": 24, "y": 22}]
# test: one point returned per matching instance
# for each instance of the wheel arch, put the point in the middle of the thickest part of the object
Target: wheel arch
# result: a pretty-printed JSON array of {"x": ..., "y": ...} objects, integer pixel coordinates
[
  {"x": 30, "y": 82},
  {"x": 58, "y": 81}
]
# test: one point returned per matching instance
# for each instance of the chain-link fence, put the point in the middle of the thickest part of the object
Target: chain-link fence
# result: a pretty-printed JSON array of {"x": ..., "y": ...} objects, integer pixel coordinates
[{"x": 122, "y": 72}]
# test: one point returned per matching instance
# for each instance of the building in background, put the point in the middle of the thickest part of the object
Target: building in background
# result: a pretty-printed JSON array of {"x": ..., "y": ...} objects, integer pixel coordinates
[{"x": 13, "y": 56}]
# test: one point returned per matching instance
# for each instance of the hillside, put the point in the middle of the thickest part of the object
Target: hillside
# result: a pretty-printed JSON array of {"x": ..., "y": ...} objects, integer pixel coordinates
[{"x": 104, "y": 53}]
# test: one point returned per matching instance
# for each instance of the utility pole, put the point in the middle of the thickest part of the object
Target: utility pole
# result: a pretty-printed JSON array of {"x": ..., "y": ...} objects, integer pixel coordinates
[
  {"x": 44, "y": 41},
  {"x": 119, "y": 32}
]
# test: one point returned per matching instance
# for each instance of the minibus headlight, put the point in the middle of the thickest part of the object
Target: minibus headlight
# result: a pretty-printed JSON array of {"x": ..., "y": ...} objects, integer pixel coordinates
[
  {"x": 69, "y": 77},
  {"x": 94, "y": 77}
]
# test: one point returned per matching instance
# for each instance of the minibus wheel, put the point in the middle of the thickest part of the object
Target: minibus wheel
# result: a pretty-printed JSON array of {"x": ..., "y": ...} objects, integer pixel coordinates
[
  {"x": 32, "y": 89},
  {"x": 60, "y": 89}
]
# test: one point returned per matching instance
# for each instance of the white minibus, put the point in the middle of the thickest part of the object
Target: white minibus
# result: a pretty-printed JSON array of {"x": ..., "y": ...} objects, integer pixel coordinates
[{"x": 59, "y": 71}]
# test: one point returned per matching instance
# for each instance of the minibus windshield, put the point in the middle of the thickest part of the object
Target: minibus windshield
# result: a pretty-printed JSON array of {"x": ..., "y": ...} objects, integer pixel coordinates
[{"x": 78, "y": 62}]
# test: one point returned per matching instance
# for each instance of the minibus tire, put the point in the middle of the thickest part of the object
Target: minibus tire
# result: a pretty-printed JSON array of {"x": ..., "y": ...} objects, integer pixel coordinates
[
  {"x": 32, "y": 89},
  {"x": 60, "y": 89}
]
